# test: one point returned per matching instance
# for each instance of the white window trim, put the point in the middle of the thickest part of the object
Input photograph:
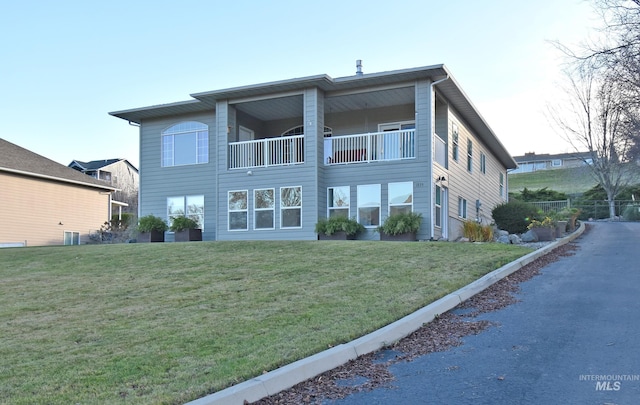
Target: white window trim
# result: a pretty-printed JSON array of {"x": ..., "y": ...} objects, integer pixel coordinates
[
  {"x": 358, "y": 206},
  {"x": 483, "y": 163},
  {"x": 455, "y": 142},
  {"x": 329, "y": 208},
  {"x": 229, "y": 210},
  {"x": 462, "y": 208},
  {"x": 389, "y": 205},
  {"x": 388, "y": 125},
  {"x": 290, "y": 208},
  {"x": 167, "y": 133},
  {"x": 436, "y": 206},
  {"x": 256, "y": 209},
  {"x": 64, "y": 234}
]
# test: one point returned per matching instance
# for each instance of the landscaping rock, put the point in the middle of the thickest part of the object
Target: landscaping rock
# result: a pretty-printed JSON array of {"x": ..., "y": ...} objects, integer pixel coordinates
[
  {"x": 515, "y": 239},
  {"x": 529, "y": 236},
  {"x": 502, "y": 233},
  {"x": 504, "y": 239}
]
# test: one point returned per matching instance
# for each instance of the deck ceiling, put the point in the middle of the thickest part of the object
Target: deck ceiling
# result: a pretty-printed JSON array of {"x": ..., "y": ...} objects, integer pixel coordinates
[{"x": 292, "y": 106}]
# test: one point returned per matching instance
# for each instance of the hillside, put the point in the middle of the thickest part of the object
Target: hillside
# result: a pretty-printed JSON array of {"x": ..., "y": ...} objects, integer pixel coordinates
[{"x": 575, "y": 180}]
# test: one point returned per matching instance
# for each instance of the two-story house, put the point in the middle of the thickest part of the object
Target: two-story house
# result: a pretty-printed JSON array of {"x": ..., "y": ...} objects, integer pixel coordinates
[
  {"x": 118, "y": 173},
  {"x": 266, "y": 161},
  {"x": 46, "y": 203}
]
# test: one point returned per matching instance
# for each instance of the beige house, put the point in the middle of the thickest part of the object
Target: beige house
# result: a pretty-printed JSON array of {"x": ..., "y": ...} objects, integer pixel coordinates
[
  {"x": 118, "y": 173},
  {"x": 46, "y": 203}
]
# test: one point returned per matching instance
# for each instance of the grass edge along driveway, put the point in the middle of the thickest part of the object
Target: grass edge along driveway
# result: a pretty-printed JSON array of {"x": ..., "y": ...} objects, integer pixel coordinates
[{"x": 169, "y": 323}]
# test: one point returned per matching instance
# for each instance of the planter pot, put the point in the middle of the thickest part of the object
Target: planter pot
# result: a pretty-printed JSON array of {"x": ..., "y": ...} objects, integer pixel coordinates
[
  {"x": 188, "y": 235},
  {"x": 402, "y": 237},
  {"x": 561, "y": 229},
  {"x": 153, "y": 236},
  {"x": 336, "y": 236},
  {"x": 544, "y": 234}
]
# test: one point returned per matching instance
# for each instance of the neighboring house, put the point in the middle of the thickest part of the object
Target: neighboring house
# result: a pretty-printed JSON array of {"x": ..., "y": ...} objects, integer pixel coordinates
[
  {"x": 118, "y": 173},
  {"x": 266, "y": 161},
  {"x": 46, "y": 203},
  {"x": 532, "y": 162}
]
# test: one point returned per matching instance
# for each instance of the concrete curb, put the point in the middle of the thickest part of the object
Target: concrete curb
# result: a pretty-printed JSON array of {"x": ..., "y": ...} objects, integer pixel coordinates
[{"x": 301, "y": 370}]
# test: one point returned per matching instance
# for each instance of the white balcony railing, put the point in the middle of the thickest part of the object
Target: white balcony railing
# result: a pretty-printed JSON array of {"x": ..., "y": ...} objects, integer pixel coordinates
[
  {"x": 281, "y": 151},
  {"x": 439, "y": 151},
  {"x": 372, "y": 147}
]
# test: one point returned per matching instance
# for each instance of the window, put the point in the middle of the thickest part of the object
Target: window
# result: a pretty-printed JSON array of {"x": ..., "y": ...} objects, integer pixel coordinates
[
  {"x": 400, "y": 198},
  {"x": 369, "y": 205},
  {"x": 191, "y": 206},
  {"x": 71, "y": 238},
  {"x": 556, "y": 162},
  {"x": 291, "y": 207},
  {"x": 186, "y": 143},
  {"x": 264, "y": 208},
  {"x": 469, "y": 155},
  {"x": 454, "y": 142},
  {"x": 462, "y": 207},
  {"x": 238, "y": 210},
  {"x": 501, "y": 184},
  {"x": 483, "y": 163},
  {"x": 338, "y": 201},
  {"x": 438, "y": 208}
]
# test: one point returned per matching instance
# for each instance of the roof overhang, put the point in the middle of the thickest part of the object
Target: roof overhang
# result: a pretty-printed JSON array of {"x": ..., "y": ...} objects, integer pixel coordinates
[
  {"x": 449, "y": 89},
  {"x": 57, "y": 179}
]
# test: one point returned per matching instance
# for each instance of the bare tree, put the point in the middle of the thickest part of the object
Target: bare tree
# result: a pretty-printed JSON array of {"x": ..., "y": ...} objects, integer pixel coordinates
[{"x": 597, "y": 118}]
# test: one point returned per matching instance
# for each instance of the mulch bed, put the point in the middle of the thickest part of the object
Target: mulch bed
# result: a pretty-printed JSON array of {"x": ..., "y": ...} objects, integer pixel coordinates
[{"x": 446, "y": 331}]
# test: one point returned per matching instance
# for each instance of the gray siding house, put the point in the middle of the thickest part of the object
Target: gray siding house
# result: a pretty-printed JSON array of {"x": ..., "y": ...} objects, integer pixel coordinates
[{"x": 266, "y": 161}]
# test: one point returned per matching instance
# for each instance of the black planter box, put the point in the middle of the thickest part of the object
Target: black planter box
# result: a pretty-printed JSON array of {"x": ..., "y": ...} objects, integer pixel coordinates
[
  {"x": 336, "y": 236},
  {"x": 188, "y": 235},
  {"x": 153, "y": 236},
  {"x": 402, "y": 237}
]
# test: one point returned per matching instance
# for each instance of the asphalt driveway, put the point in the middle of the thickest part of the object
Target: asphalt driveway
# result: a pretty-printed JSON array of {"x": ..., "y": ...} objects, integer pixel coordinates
[{"x": 574, "y": 337}]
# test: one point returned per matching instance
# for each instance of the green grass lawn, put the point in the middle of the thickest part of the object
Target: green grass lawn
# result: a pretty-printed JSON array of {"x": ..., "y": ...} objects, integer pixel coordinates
[
  {"x": 168, "y": 323},
  {"x": 575, "y": 180}
]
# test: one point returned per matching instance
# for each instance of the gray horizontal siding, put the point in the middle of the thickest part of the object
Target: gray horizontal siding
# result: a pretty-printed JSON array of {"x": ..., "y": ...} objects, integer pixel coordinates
[{"x": 157, "y": 182}]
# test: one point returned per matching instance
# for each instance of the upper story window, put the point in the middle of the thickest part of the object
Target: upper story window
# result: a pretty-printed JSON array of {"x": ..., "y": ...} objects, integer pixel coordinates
[
  {"x": 483, "y": 163},
  {"x": 454, "y": 142},
  {"x": 186, "y": 143},
  {"x": 299, "y": 130},
  {"x": 469, "y": 155}
]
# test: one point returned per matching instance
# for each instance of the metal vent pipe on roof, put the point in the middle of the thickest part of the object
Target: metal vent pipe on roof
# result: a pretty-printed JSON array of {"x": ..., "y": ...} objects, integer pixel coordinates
[{"x": 359, "y": 67}]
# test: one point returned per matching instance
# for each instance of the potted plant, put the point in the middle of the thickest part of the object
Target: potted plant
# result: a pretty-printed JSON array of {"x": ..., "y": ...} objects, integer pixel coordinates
[
  {"x": 400, "y": 227},
  {"x": 151, "y": 229},
  {"x": 545, "y": 230},
  {"x": 338, "y": 228},
  {"x": 185, "y": 229}
]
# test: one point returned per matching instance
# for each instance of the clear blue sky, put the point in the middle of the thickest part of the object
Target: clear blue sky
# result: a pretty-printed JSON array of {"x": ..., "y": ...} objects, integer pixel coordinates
[{"x": 66, "y": 64}]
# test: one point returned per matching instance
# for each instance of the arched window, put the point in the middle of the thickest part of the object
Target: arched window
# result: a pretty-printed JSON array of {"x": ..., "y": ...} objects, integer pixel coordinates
[
  {"x": 185, "y": 143},
  {"x": 299, "y": 130}
]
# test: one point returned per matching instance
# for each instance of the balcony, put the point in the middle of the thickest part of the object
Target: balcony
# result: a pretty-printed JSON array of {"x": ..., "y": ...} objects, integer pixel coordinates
[
  {"x": 359, "y": 148},
  {"x": 371, "y": 147},
  {"x": 282, "y": 151}
]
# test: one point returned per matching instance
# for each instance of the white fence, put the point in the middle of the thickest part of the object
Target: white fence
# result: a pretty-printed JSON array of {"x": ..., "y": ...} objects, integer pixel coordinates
[
  {"x": 378, "y": 146},
  {"x": 280, "y": 151},
  {"x": 548, "y": 206}
]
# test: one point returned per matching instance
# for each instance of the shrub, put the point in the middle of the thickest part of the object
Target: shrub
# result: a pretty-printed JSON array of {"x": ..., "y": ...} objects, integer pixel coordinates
[
  {"x": 405, "y": 222},
  {"x": 514, "y": 216},
  {"x": 632, "y": 212},
  {"x": 543, "y": 194},
  {"x": 476, "y": 232},
  {"x": 181, "y": 223},
  {"x": 150, "y": 223},
  {"x": 338, "y": 224}
]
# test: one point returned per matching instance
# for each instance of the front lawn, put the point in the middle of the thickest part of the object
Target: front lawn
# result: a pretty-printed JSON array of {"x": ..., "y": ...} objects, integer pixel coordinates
[{"x": 168, "y": 323}]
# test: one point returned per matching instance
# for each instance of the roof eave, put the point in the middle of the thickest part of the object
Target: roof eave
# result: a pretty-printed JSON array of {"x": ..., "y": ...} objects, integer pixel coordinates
[{"x": 59, "y": 179}]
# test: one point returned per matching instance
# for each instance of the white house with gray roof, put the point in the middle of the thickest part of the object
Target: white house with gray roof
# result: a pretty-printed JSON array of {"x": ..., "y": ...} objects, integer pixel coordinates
[{"x": 266, "y": 161}]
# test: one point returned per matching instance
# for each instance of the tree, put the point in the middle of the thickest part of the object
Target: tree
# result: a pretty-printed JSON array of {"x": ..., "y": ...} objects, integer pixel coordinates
[{"x": 596, "y": 116}]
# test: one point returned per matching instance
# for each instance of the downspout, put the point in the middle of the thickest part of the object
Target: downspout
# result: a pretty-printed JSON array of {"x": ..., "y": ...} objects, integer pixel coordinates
[{"x": 432, "y": 129}]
